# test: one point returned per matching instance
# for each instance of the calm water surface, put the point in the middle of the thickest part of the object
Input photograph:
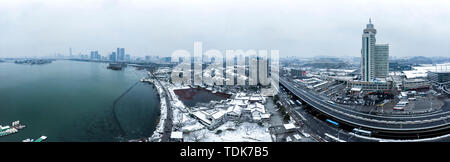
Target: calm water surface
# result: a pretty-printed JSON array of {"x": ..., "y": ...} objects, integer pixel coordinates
[{"x": 73, "y": 101}]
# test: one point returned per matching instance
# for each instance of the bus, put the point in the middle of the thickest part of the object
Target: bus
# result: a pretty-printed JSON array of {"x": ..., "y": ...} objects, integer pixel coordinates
[
  {"x": 332, "y": 122},
  {"x": 298, "y": 102},
  {"x": 401, "y": 108},
  {"x": 362, "y": 132}
]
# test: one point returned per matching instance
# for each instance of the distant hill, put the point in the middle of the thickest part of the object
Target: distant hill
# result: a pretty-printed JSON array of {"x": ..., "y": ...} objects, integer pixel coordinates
[
  {"x": 327, "y": 65},
  {"x": 422, "y": 60}
]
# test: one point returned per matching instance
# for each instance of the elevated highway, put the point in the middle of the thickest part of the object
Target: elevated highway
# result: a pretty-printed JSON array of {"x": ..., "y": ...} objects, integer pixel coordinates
[{"x": 412, "y": 126}]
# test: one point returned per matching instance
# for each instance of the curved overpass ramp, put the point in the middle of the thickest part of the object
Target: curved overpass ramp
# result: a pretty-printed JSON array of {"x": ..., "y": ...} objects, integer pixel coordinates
[{"x": 427, "y": 125}]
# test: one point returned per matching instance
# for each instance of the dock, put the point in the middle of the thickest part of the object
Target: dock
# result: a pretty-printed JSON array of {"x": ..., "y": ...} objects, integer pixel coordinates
[{"x": 14, "y": 128}]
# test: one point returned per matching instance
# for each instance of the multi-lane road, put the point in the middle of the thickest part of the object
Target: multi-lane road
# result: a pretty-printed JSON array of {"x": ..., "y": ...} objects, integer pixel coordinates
[{"x": 425, "y": 125}]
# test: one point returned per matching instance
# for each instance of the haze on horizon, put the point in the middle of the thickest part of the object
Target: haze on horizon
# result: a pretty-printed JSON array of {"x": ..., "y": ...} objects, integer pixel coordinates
[{"x": 159, "y": 27}]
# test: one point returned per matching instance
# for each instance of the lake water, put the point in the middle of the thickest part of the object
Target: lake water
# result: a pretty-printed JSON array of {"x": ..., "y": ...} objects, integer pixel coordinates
[
  {"x": 190, "y": 97},
  {"x": 73, "y": 101}
]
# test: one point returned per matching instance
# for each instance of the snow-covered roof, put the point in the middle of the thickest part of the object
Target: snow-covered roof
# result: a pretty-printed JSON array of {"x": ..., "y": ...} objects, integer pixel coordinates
[
  {"x": 265, "y": 116},
  {"x": 414, "y": 80},
  {"x": 256, "y": 98},
  {"x": 218, "y": 114},
  {"x": 242, "y": 98},
  {"x": 296, "y": 136},
  {"x": 256, "y": 117},
  {"x": 434, "y": 68},
  {"x": 288, "y": 139},
  {"x": 415, "y": 74},
  {"x": 256, "y": 107},
  {"x": 202, "y": 116},
  {"x": 176, "y": 135},
  {"x": 357, "y": 89},
  {"x": 235, "y": 109},
  {"x": 239, "y": 102},
  {"x": 289, "y": 126}
]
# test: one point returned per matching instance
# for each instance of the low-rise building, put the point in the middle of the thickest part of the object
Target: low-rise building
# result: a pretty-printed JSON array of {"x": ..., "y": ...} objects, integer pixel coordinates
[
  {"x": 176, "y": 136},
  {"x": 371, "y": 86},
  {"x": 409, "y": 84},
  {"x": 243, "y": 107},
  {"x": 439, "y": 78}
]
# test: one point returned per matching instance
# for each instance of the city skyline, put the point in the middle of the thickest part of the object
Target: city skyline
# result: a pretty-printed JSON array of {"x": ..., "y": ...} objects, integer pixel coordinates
[{"x": 158, "y": 28}]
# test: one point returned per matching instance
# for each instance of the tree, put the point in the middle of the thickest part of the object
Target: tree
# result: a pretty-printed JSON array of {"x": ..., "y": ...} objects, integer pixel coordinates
[
  {"x": 197, "y": 136},
  {"x": 282, "y": 110},
  {"x": 286, "y": 117},
  {"x": 276, "y": 98}
]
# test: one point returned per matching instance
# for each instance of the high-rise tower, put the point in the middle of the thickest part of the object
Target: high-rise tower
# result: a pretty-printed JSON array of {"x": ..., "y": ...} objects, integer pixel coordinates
[
  {"x": 120, "y": 54},
  {"x": 374, "y": 57}
]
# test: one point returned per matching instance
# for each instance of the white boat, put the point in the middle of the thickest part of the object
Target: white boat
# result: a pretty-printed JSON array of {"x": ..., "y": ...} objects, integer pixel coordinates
[{"x": 28, "y": 140}]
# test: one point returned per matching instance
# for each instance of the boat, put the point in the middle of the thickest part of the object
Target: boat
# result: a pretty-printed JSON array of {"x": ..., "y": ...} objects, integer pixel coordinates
[
  {"x": 115, "y": 66},
  {"x": 14, "y": 128},
  {"x": 28, "y": 140},
  {"x": 8, "y": 131},
  {"x": 40, "y": 139}
]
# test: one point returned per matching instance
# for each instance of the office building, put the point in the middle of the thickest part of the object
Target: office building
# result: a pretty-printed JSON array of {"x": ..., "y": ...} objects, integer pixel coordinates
[
  {"x": 374, "y": 57},
  {"x": 439, "y": 78},
  {"x": 95, "y": 55},
  {"x": 120, "y": 54},
  {"x": 113, "y": 57}
]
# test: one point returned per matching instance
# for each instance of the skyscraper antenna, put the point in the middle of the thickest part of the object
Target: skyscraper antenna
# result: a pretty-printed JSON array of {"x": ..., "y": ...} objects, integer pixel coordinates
[{"x": 370, "y": 20}]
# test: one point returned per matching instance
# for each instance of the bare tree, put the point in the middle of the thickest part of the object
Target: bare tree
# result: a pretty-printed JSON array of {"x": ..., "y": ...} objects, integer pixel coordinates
[
  {"x": 247, "y": 130},
  {"x": 197, "y": 136}
]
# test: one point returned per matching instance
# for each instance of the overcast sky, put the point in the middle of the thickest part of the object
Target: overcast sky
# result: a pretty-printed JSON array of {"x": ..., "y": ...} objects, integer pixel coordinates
[{"x": 296, "y": 28}]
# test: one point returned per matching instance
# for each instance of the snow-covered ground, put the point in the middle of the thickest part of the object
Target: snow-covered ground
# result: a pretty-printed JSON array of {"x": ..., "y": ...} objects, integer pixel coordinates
[
  {"x": 157, "y": 134},
  {"x": 194, "y": 131},
  {"x": 176, "y": 103},
  {"x": 230, "y": 132}
]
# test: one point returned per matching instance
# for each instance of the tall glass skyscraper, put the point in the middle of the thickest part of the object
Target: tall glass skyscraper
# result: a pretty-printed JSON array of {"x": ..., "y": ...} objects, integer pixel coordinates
[
  {"x": 113, "y": 57},
  {"x": 374, "y": 57},
  {"x": 120, "y": 54}
]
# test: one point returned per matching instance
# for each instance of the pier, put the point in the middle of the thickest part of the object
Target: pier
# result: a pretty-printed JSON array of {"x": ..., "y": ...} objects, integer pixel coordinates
[{"x": 14, "y": 128}]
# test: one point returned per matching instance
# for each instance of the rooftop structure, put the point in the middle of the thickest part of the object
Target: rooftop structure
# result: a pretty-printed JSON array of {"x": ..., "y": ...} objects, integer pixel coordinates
[
  {"x": 433, "y": 68},
  {"x": 410, "y": 74}
]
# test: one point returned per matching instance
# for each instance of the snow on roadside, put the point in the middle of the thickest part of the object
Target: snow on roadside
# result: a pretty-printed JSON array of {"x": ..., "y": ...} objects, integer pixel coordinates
[
  {"x": 177, "y": 103},
  {"x": 157, "y": 134}
]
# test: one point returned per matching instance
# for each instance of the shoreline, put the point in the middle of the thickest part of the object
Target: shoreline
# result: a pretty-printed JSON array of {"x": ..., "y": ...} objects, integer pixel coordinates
[
  {"x": 159, "y": 129},
  {"x": 178, "y": 108}
]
